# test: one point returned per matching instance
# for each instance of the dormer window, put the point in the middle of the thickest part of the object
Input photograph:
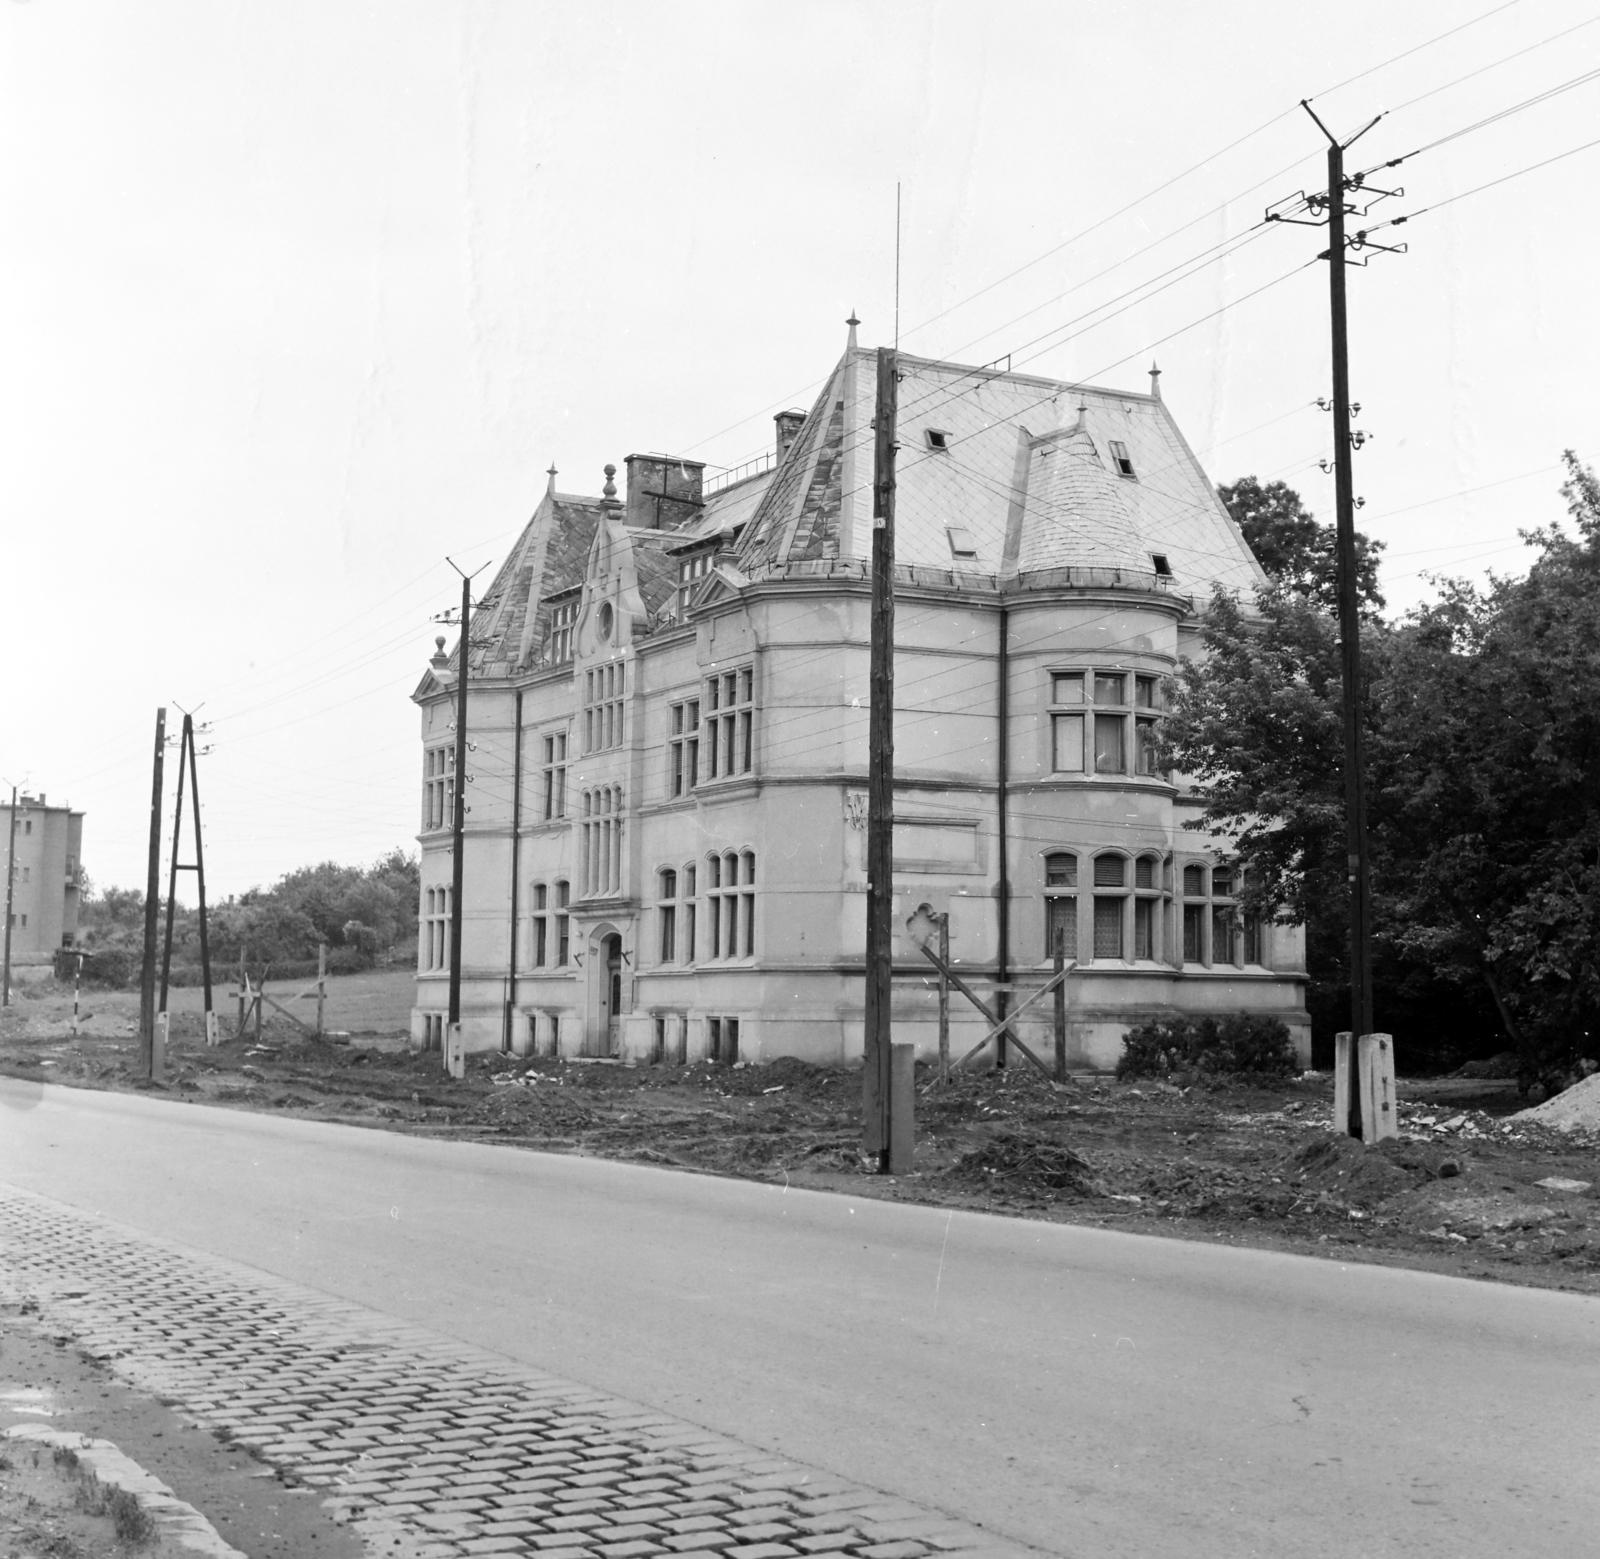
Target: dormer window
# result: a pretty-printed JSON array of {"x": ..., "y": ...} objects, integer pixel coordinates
[
  {"x": 1162, "y": 567},
  {"x": 961, "y": 543},
  {"x": 1120, "y": 457},
  {"x": 937, "y": 440}
]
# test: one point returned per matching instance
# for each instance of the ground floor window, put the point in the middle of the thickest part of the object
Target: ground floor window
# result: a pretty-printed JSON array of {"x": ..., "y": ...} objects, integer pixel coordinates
[{"x": 435, "y": 940}]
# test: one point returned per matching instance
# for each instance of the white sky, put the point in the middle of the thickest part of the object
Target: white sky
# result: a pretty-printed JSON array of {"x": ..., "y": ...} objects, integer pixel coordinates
[{"x": 300, "y": 297}]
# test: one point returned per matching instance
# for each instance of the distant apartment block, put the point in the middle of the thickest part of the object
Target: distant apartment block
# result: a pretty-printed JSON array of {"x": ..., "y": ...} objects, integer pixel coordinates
[{"x": 46, "y": 862}]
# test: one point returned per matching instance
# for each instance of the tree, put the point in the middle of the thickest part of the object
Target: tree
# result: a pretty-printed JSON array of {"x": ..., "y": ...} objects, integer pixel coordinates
[
  {"x": 1294, "y": 549},
  {"x": 1482, "y": 716}
]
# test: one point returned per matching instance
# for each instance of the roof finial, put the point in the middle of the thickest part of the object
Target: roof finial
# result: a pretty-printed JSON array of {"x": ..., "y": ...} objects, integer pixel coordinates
[
  {"x": 1155, "y": 381},
  {"x": 552, "y": 475},
  {"x": 609, "y": 491},
  {"x": 852, "y": 322}
]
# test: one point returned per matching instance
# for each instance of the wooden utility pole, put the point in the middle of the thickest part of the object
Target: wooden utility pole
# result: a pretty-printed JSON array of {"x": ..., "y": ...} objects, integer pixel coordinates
[
  {"x": 876, "y": 1057},
  {"x": 172, "y": 866},
  {"x": 1331, "y": 207},
  {"x": 458, "y": 822},
  {"x": 200, "y": 884},
  {"x": 1355, "y": 778},
  {"x": 11, "y": 873},
  {"x": 152, "y": 903}
]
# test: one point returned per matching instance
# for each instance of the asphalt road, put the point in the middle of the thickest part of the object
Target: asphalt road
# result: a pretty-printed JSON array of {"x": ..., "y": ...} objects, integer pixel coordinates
[{"x": 1097, "y": 1394}]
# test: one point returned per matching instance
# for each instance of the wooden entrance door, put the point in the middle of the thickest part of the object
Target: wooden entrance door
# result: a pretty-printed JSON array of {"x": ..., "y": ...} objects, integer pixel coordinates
[{"x": 611, "y": 999}]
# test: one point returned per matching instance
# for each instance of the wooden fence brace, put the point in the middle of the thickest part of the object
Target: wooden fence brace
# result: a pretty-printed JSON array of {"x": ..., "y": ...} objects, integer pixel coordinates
[
  {"x": 1000, "y": 1025},
  {"x": 1061, "y": 1005},
  {"x": 944, "y": 997}
]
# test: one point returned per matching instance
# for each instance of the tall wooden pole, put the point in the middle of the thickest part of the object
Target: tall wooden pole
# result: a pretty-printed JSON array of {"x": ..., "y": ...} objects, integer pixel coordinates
[
  {"x": 876, "y": 1058},
  {"x": 172, "y": 869},
  {"x": 11, "y": 876},
  {"x": 152, "y": 903},
  {"x": 200, "y": 888},
  {"x": 1355, "y": 786},
  {"x": 459, "y": 820}
]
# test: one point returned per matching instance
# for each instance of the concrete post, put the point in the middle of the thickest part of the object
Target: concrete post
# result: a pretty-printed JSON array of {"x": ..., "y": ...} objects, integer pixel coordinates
[
  {"x": 902, "y": 1108},
  {"x": 1375, "y": 1063}
]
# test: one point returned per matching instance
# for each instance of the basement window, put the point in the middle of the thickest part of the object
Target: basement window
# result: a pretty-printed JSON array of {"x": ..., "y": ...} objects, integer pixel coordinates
[
  {"x": 1162, "y": 566},
  {"x": 961, "y": 543},
  {"x": 936, "y": 439},
  {"x": 1119, "y": 454}
]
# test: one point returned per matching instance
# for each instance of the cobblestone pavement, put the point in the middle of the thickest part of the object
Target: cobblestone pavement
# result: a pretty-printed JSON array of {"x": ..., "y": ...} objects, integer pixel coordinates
[{"x": 430, "y": 1446}]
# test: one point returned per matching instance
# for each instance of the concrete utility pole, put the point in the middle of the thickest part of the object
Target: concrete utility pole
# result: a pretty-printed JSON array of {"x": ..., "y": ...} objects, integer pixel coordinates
[
  {"x": 876, "y": 1057},
  {"x": 152, "y": 901},
  {"x": 1334, "y": 203},
  {"x": 11, "y": 874}
]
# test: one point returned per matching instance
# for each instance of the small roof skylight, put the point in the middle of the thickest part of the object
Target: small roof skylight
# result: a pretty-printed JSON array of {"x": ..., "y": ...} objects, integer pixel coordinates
[{"x": 961, "y": 543}]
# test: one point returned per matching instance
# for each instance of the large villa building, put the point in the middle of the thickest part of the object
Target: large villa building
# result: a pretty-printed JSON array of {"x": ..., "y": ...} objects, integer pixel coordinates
[{"x": 667, "y": 705}]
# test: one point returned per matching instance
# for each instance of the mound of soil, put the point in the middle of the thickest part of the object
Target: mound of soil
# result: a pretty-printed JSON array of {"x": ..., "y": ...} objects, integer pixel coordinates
[
  {"x": 1027, "y": 1164},
  {"x": 1575, "y": 1109},
  {"x": 1348, "y": 1170}
]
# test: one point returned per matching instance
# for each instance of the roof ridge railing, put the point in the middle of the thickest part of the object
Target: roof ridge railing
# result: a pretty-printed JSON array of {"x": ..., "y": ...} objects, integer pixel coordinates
[{"x": 734, "y": 474}]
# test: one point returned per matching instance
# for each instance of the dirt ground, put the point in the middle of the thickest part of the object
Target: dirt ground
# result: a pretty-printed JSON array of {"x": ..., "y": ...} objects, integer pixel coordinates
[{"x": 1460, "y": 1192}]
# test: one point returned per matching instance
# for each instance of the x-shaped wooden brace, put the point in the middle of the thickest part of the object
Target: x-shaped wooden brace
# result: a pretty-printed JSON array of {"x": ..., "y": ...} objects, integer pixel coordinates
[{"x": 999, "y": 1025}]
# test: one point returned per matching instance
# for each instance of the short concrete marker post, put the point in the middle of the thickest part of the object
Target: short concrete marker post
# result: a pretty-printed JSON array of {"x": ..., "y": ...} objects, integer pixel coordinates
[
  {"x": 902, "y": 1108},
  {"x": 1375, "y": 1060},
  {"x": 1341, "y": 1082},
  {"x": 455, "y": 1056},
  {"x": 158, "y": 1047}
]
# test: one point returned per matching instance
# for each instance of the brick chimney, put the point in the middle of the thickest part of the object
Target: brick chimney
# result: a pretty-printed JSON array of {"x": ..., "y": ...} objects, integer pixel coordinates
[
  {"x": 663, "y": 492},
  {"x": 789, "y": 425}
]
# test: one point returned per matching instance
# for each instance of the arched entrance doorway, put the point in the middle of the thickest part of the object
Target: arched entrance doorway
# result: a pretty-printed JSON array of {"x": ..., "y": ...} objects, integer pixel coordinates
[{"x": 603, "y": 1036}]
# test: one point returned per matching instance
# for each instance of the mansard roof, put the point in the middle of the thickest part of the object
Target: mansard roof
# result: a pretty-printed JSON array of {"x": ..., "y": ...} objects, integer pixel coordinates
[
  {"x": 1021, "y": 468},
  {"x": 1002, "y": 478}
]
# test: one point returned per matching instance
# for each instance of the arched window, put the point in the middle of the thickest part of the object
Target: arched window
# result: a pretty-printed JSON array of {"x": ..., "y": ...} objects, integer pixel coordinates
[
  {"x": 1147, "y": 940},
  {"x": 1110, "y": 871},
  {"x": 1061, "y": 904},
  {"x": 689, "y": 908},
  {"x": 563, "y": 894},
  {"x": 731, "y": 902},
  {"x": 667, "y": 913}
]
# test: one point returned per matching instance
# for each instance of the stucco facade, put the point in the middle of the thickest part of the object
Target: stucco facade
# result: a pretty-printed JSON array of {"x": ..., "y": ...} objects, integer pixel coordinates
[
  {"x": 46, "y": 868},
  {"x": 667, "y": 705}
]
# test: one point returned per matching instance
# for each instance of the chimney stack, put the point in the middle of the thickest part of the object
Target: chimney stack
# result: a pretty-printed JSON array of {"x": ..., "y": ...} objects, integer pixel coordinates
[
  {"x": 664, "y": 492},
  {"x": 789, "y": 425}
]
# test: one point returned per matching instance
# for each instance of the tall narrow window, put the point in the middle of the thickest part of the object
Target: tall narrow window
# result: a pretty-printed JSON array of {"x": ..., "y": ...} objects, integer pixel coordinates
[
  {"x": 604, "y": 690},
  {"x": 1061, "y": 905},
  {"x": 1110, "y": 730},
  {"x": 541, "y": 926},
  {"x": 1147, "y": 907},
  {"x": 558, "y": 646},
  {"x": 1066, "y": 722},
  {"x": 438, "y": 786},
  {"x": 729, "y": 723},
  {"x": 1110, "y": 871},
  {"x": 684, "y": 747},
  {"x": 747, "y": 875},
  {"x": 563, "y": 892},
  {"x": 555, "y": 775},
  {"x": 689, "y": 907},
  {"x": 667, "y": 894}
]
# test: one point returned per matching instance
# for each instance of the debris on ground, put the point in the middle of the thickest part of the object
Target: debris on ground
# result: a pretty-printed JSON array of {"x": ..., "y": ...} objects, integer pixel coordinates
[
  {"x": 1025, "y": 1163},
  {"x": 1473, "y": 1184}
]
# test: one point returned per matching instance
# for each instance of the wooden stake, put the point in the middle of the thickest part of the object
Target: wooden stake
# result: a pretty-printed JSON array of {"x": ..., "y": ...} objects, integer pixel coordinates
[
  {"x": 944, "y": 997},
  {"x": 322, "y": 982},
  {"x": 1061, "y": 1006}
]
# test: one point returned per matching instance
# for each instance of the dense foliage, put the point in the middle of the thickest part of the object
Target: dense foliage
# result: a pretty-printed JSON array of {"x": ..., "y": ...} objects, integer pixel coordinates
[
  {"x": 1482, "y": 719},
  {"x": 1246, "y": 1044},
  {"x": 365, "y": 915}
]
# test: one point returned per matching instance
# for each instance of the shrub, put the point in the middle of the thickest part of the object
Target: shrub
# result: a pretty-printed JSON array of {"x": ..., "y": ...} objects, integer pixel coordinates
[{"x": 1248, "y": 1044}]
